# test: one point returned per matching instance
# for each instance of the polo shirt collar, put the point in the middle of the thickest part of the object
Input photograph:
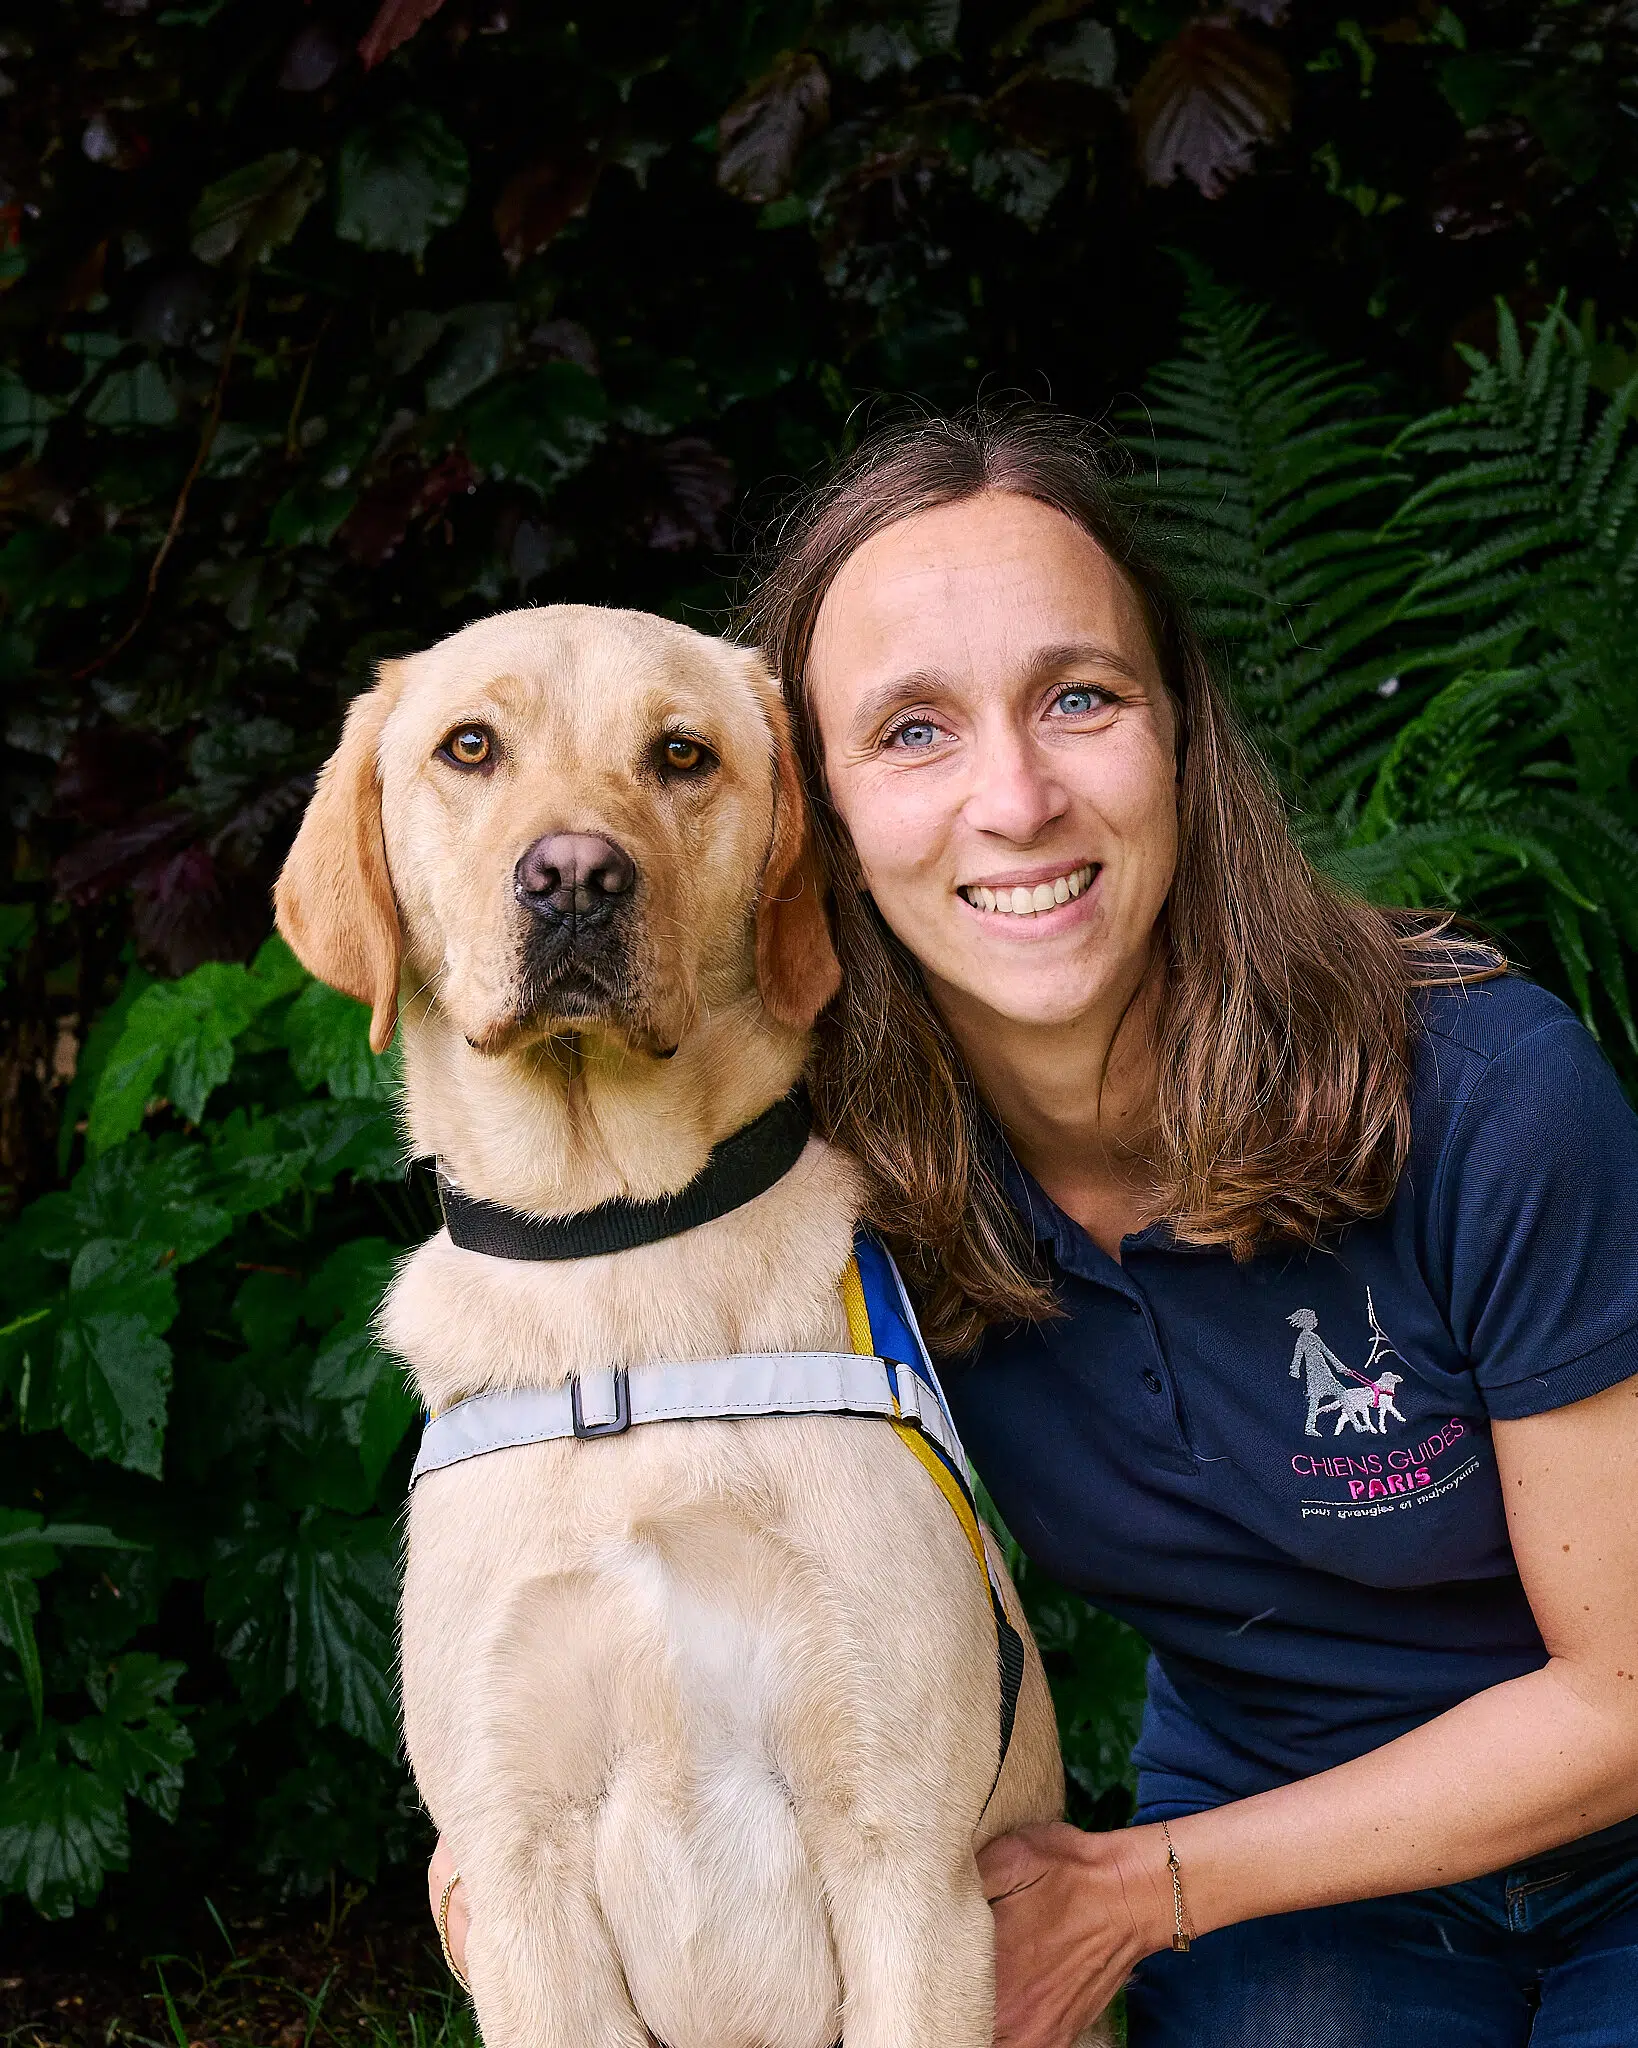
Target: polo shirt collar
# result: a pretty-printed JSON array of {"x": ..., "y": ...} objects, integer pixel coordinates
[{"x": 1072, "y": 1249}]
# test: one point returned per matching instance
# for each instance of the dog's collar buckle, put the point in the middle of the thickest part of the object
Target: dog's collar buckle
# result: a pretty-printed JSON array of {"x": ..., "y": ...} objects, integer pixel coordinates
[{"x": 617, "y": 1424}]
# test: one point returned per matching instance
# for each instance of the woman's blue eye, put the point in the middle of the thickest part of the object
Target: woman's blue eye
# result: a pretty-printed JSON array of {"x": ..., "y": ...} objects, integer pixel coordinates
[
  {"x": 1078, "y": 702},
  {"x": 920, "y": 732}
]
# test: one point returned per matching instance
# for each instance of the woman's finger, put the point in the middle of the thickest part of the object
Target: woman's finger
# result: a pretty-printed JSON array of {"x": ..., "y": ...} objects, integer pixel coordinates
[{"x": 456, "y": 1919}]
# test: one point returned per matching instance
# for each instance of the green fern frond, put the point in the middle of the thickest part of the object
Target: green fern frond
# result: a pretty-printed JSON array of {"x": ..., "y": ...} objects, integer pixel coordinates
[
  {"x": 1272, "y": 465},
  {"x": 1430, "y": 626}
]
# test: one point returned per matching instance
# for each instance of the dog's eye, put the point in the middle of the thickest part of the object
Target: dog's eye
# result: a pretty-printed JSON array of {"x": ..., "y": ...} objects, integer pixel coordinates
[
  {"x": 468, "y": 746},
  {"x": 677, "y": 754}
]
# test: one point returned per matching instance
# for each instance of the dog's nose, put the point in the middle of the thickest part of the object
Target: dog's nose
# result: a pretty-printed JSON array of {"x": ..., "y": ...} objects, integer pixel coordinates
[{"x": 574, "y": 875}]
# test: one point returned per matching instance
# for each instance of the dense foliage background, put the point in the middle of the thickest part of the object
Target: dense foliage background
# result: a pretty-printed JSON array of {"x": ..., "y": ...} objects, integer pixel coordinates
[{"x": 324, "y": 328}]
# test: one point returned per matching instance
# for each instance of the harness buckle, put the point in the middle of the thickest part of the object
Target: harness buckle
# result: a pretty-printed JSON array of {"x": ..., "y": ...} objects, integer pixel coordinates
[{"x": 622, "y": 1408}]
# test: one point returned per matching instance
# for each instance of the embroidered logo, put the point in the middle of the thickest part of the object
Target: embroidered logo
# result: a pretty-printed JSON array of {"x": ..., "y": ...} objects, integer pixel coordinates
[{"x": 1362, "y": 1401}]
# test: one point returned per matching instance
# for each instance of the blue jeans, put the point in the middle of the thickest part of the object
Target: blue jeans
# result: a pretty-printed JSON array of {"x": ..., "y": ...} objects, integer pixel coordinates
[{"x": 1546, "y": 1954}]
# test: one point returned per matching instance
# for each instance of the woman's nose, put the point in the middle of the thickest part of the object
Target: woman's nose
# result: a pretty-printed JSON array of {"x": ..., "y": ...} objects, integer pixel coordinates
[{"x": 1016, "y": 793}]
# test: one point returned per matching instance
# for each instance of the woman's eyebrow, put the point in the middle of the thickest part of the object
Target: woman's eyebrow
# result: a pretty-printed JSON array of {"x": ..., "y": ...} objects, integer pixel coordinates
[
  {"x": 1049, "y": 661},
  {"x": 918, "y": 685}
]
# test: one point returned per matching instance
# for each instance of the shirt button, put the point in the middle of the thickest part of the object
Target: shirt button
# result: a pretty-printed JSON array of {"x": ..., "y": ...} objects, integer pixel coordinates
[{"x": 1151, "y": 1379}]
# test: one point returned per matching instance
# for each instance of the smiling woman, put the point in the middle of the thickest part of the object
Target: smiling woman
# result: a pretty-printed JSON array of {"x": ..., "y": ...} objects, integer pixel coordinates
[
  {"x": 1283, "y": 1249},
  {"x": 995, "y": 690}
]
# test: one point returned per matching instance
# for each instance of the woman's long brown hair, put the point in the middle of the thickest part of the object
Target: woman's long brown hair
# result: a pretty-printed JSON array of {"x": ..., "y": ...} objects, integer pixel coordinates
[{"x": 1284, "y": 1028}]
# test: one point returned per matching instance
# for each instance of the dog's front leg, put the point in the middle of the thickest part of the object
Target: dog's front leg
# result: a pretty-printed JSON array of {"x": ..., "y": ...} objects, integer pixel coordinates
[
  {"x": 916, "y": 1950},
  {"x": 543, "y": 1968},
  {"x": 918, "y": 1960}
]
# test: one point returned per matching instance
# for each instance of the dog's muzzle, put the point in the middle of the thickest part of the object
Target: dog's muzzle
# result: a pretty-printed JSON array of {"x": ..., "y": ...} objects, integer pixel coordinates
[{"x": 577, "y": 888}]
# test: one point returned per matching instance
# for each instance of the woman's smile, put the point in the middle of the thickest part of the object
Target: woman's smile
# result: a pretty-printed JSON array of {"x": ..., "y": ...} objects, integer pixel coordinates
[{"x": 1031, "y": 895}]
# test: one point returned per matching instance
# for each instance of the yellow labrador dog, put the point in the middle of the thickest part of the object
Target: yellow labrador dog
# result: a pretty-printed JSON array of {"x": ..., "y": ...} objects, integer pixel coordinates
[{"x": 706, "y": 1709}]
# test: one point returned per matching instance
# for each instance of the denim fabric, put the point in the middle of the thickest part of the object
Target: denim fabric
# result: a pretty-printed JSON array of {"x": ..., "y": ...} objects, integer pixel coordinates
[{"x": 1544, "y": 1955}]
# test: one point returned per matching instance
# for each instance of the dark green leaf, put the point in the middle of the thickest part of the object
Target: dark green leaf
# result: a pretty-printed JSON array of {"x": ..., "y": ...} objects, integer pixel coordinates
[
  {"x": 61, "y": 1828},
  {"x": 24, "y": 418},
  {"x": 377, "y": 1406},
  {"x": 95, "y": 1053},
  {"x": 178, "y": 1037},
  {"x": 19, "y": 1603},
  {"x": 137, "y": 396},
  {"x": 310, "y": 514},
  {"x": 112, "y": 1369},
  {"x": 278, "y": 967},
  {"x": 23, "y": 1549},
  {"x": 329, "y": 1039},
  {"x": 399, "y": 181},
  {"x": 17, "y": 923},
  {"x": 311, "y": 1608},
  {"x": 93, "y": 574},
  {"x": 482, "y": 339},
  {"x": 267, "y": 1310},
  {"x": 136, "y": 1741},
  {"x": 340, "y": 1809},
  {"x": 157, "y": 1193},
  {"x": 255, "y": 210},
  {"x": 540, "y": 428}
]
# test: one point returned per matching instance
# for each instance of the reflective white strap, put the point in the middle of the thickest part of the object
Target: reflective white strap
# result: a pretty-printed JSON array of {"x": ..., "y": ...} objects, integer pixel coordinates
[
  {"x": 927, "y": 1365},
  {"x": 746, "y": 1384}
]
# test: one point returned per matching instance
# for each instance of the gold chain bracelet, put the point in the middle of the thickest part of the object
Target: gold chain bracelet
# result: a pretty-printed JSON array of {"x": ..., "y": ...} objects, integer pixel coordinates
[
  {"x": 1180, "y": 1934},
  {"x": 455, "y": 1969}
]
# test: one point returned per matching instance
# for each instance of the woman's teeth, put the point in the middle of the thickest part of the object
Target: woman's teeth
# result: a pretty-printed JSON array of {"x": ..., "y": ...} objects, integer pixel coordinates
[{"x": 1026, "y": 902}]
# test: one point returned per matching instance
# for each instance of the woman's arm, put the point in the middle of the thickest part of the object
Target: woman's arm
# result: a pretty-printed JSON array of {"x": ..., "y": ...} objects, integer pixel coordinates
[{"x": 1518, "y": 1769}]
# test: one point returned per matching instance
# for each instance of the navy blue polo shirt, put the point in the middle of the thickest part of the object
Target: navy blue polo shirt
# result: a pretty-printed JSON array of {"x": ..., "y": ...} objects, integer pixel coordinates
[{"x": 1280, "y": 1471}]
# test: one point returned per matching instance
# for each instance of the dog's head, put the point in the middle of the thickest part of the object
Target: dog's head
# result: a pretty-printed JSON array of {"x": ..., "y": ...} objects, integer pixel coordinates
[{"x": 562, "y": 820}]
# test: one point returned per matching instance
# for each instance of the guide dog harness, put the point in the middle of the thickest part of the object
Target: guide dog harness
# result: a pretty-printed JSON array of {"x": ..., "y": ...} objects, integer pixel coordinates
[{"x": 886, "y": 1375}]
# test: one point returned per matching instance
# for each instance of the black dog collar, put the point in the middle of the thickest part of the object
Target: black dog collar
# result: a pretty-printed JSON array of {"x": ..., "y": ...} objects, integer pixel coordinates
[{"x": 739, "y": 1169}]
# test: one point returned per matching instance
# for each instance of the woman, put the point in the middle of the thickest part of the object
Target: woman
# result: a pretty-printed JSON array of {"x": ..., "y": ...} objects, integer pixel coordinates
[{"x": 1283, "y": 1252}]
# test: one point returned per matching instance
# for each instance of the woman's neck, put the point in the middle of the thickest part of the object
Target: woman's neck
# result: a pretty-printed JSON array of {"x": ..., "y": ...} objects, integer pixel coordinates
[{"x": 1076, "y": 1102}]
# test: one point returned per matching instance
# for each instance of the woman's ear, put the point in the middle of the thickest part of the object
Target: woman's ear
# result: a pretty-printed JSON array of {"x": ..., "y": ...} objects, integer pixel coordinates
[
  {"x": 333, "y": 900},
  {"x": 797, "y": 971}
]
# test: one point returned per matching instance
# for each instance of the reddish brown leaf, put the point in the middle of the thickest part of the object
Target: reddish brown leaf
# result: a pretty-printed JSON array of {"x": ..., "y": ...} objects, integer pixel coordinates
[
  {"x": 1500, "y": 179},
  {"x": 395, "y": 22},
  {"x": 678, "y": 493},
  {"x": 764, "y": 132},
  {"x": 1210, "y": 96},
  {"x": 108, "y": 860},
  {"x": 538, "y": 204},
  {"x": 701, "y": 494},
  {"x": 188, "y": 909},
  {"x": 387, "y": 510}
]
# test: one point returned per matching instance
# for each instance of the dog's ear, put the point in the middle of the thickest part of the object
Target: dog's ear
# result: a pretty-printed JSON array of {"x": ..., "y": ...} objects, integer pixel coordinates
[
  {"x": 797, "y": 971},
  {"x": 333, "y": 900}
]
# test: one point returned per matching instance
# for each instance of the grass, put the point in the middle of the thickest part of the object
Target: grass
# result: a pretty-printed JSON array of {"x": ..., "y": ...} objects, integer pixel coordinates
[{"x": 363, "y": 1973}]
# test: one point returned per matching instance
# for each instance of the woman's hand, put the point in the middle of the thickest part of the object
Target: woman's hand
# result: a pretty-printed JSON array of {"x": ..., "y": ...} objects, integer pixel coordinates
[
  {"x": 1073, "y": 1913},
  {"x": 439, "y": 1871}
]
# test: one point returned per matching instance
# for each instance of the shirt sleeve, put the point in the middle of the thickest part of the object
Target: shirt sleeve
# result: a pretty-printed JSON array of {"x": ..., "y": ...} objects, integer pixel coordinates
[{"x": 1538, "y": 1199}]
